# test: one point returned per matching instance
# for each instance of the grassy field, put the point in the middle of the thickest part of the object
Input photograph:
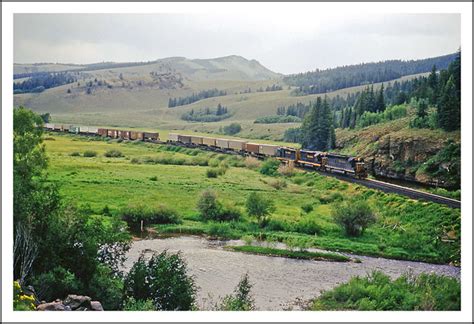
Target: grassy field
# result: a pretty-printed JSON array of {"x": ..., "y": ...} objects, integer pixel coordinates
[{"x": 156, "y": 175}]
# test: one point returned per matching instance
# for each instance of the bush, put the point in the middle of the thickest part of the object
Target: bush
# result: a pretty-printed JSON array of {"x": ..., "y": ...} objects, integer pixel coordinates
[
  {"x": 212, "y": 209},
  {"x": 215, "y": 172},
  {"x": 259, "y": 207},
  {"x": 75, "y": 154},
  {"x": 232, "y": 129},
  {"x": 131, "y": 304},
  {"x": 106, "y": 288},
  {"x": 286, "y": 170},
  {"x": 90, "y": 154},
  {"x": 113, "y": 153},
  {"x": 163, "y": 280},
  {"x": 354, "y": 216},
  {"x": 278, "y": 184},
  {"x": 307, "y": 208},
  {"x": 134, "y": 214},
  {"x": 240, "y": 300},
  {"x": 270, "y": 167},
  {"x": 56, "y": 283},
  {"x": 308, "y": 226},
  {"x": 252, "y": 163},
  {"x": 208, "y": 205},
  {"x": 22, "y": 301},
  {"x": 378, "y": 292},
  {"x": 154, "y": 178}
]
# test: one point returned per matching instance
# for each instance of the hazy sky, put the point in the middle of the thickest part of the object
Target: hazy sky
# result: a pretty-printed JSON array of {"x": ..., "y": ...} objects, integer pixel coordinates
[{"x": 285, "y": 44}]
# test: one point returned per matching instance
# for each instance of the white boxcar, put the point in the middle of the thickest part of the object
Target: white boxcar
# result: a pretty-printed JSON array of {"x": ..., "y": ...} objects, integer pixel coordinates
[
  {"x": 173, "y": 137},
  {"x": 93, "y": 130},
  {"x": 49, "y": 126},
  {"x": 222, "y": 143},
  {"x": 237, "y": 145},
  {"x": 209, "y": 141},
  {"x": 268, "y": 149},
  {"x": 83, "y": 129}
]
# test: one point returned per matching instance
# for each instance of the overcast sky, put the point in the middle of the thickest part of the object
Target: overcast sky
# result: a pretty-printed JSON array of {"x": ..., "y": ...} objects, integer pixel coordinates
[{"x": 285, "y": 44}]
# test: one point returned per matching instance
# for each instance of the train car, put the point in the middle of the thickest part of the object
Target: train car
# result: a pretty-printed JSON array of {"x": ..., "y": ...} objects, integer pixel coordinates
[
  {"x": 252, "y": 148},
  {"x": 49, "y": 126},
  {"x": 209, "y": 141},
  {"x": 346, "y": 165},
  {"x": 184, "y": 139},
  {"x": 268, "y": 149},
  {"x": 150, "y": 136},
  {"x": 196, "y": 140},
  {"x": 222, "y": 143},
  {"x": 237, "y": 145},
  {"x": 123, "y": 134},
  {"x": 288, "y": 154},
  {"x": 136, "y": 135},
  {"x": 74, "y": 129},
  {"x": 112, "y": 133},
  {"x": 311, "y": 158},
  {"x": 173, "y": 137},
  {"x": 58, "y": 127},
  {"x": 102, "y": 132}
]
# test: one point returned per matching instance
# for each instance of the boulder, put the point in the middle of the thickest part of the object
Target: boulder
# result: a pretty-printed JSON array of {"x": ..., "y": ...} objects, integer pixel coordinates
[
  {"x": 76, "y": 301},
  {"x": 96, "y": 306},
  {"x": 53, "y": 306}
]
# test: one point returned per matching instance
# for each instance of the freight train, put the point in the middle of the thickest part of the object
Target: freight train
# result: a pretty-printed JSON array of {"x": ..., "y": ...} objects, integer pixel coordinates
[{"x": 322, "y": 161}]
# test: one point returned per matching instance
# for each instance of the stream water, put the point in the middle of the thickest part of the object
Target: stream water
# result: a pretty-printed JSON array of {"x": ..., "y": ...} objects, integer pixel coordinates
[{"x": 278, "y": 283}]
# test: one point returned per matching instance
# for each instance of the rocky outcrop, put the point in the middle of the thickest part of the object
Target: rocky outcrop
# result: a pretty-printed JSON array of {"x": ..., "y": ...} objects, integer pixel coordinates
[{"x": 71, "y": 303}]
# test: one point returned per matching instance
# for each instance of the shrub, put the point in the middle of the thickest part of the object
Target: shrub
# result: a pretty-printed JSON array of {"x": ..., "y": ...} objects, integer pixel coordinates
[
  {"x": 163, "y": 280},
  {"x": 212, "y": 173},
  {"x": 134, "y": 214},
  {"x": 278, "y": 184},
  {"x": 106, "y": 288},
  {"x": 308, "y": 226},
  {"x": 354, "y": 216},
  {"x": 113, "y": 153},
  {"x": 229, "y": 213},
  {"x": 259, "y": 207},
  {"x": 56, "y": 283},
  {"x": 378, "y": 292},
  {"x": 90, "y": 154},
  {"x": 286, "y": 170},
  {"x": 252, "y": 163},
  {"x": 22, "y": 301},
  {"x": 232, "y": 129},
  {"x": 131, "y": 304},
  {"x": 270, "y": 167},
  {"x": 240, "y": 300},
  {"x": 307, "y": 208},
  {"x": 154, "y": 178},
  {"x": 208, "y": 205},
  {"x": 75, "y": 154}
]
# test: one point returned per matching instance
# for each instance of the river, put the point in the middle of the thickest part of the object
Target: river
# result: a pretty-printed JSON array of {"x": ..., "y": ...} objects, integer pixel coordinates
[{"x": 278, "y": 283}]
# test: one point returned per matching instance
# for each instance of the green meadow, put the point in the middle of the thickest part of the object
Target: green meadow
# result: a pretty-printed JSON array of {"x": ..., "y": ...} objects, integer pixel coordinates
[{"x": 160, "y": 175}]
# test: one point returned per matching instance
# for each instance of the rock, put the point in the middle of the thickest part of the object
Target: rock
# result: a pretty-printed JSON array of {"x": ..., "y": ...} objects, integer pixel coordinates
[
  {"x": 53, "y": 306},
  {"x": 76, "y": 301},
  {"x": 96, "y": 306}
]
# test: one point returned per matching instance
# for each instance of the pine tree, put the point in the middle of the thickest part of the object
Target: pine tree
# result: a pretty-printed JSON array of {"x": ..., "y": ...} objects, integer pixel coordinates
[
  {"x": 380, "y": 101},
  {"x": 449, "y": 109}
]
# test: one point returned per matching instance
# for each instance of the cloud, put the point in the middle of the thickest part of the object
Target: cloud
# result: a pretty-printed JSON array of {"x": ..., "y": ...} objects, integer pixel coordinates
[{"x": 286, "y": 43}]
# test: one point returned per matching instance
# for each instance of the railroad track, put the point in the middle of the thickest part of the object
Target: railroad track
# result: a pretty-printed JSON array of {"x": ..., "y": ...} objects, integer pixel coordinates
[{"x": 393, "y": 188}]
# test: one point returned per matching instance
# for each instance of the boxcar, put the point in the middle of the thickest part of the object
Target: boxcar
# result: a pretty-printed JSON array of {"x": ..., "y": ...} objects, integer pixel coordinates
[
  {"x": 49, "y": 126},
  {"x": 251, "y": 148},
  {"x": 209, "y": 141},
  {"x": 150, "y": 136},
  {"x": 222, "y": 143},
  {"x": 185, "y": 139},
  {"x": 136, "y": 135},
  {"x": 237, "y": 145},
  {"x": 74, "y": 129},
  {"x": 173, "y": 137},
  {"x": 58, "y": 127},
  {"x": 268, "y": 149},
  {"x": 102, "y": 131},
  {"x": 196, "y": 140},
  {"x": 124, "y": 134},
  {"x": 93, "y": 131},
  {"x": 112, "y": 133}
]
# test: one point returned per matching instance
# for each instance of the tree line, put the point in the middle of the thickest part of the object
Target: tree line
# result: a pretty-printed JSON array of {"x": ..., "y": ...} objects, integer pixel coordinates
[
  {"x": 181, "y": 101},
  {"x": 43, "y": 81},
  {"x": 321, "y": 81},
  {"x": 207, "y": 114}
]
